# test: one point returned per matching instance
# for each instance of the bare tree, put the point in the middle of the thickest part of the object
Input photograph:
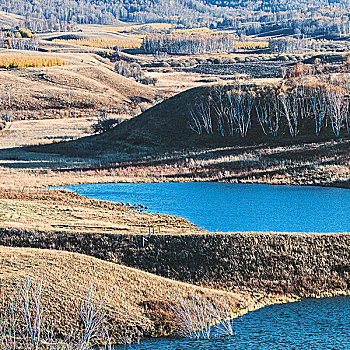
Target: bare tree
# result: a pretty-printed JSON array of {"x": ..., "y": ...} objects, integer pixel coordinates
[
  {"x": 24, "y": 324},
  {"x": 268, "y": 114},
  {"x": 290, "y": 110},
  {"x": 318, "y": 107},
  {"x": 240, "y": 105},
  {"x": 200, "y": 318},
  {"x": 220, "y": 107},
  {"x": 338, "y": 108}
]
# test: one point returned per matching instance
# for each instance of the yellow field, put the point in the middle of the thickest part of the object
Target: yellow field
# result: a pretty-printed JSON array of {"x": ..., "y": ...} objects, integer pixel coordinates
[
  {"x": 8, "y": 61},
  {"x": 157, "y": 26},
  {"x": 251, "y": 45},
  {"x": 103, "y": 43}
]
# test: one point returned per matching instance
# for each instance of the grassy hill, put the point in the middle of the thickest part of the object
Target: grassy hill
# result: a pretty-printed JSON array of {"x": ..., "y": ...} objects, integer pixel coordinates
[
  {"x": 85, "y": 83},
  {"x": 166, "y": 128},
  {"x": 161, "y": 140},
  {"x": 134, "y": 300},
  {"x": 161, "y": 128},
  {"x": 10, "y": 19}
]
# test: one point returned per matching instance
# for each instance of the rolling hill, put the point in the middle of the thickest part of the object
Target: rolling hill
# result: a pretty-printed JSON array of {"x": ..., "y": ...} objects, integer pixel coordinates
[
  {"x": 136, "y": 302},
  {"x": 84, "y": 84}
]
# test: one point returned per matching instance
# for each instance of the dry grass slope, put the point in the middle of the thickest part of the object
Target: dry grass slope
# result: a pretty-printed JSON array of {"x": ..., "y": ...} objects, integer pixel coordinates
[
  {"x": 61, "y": 210},
  {"x": 134, "y": 300},
  {"x": 86, "y": 83}
]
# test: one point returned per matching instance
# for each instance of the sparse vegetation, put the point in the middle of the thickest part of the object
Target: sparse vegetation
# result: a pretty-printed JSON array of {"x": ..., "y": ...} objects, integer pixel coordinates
[
  {"x": 132, "y": 303},
  {"x": 24, "y": 324},
  {"x": 104, "y": 123},
  {"x": 133, "y": 70}
]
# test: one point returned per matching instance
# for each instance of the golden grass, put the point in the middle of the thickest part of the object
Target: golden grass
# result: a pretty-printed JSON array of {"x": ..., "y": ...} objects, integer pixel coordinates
[
  {"x": 91, "y": 80},
  {"x": 53, "y": 210},
  {"x": 15, "y": 61},
  {"x": 251, "y": 45},
  {"x": 200, "y": 30},
  {"x": 132, "y": 298},
  {"x": 136, "y": 27},
  {"x": 103, "y": 43}
]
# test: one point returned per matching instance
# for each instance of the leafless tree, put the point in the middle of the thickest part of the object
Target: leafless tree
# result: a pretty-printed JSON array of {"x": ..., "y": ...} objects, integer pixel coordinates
[
  {"x": 338, "y": 108},
  {"x": 202, "y": 116},
  {"x": 318, "y": 106},
  {"x": 290, "y": 110},
  {"x": 24, "y": 324},
  {"x": 268, "y": 114},
  {"x": 240, "y": 105},
  {"x": 220, "y": 107},
  {"x": 200, "y": 318}
]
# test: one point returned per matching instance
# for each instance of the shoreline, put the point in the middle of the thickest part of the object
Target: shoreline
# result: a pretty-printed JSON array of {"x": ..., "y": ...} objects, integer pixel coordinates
[
  {"x": 16, "y": 182},
  {"x": 258, "y": 298}
]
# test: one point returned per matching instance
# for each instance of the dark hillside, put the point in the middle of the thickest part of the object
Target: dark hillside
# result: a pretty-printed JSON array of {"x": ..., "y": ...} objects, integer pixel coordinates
[
  {"x": 166, "y": 128},
  {"x": 163, "y": 127}
]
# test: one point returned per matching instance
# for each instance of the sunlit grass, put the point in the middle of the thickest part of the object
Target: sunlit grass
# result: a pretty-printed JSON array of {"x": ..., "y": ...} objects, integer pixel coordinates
[
  {"x": 103, "y": 43},
  {"x": 8, "y": 61}
]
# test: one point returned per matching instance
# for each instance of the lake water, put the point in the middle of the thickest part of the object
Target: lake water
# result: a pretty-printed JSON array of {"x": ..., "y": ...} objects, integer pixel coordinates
[
  {"x": 236, "y": 207},
  {"x": 309, "y": 324}
]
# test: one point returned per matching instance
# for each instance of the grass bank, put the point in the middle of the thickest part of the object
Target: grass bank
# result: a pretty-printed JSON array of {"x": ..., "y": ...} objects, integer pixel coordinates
[
  {"x": 136, "y": 302},
  {"x": 292, "y": 265}
]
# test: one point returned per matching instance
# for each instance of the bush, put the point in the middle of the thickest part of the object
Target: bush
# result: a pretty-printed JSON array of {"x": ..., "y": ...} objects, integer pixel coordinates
[
  {"x": 105, "y": 124},
  {"x": 148, "y": 81},
  {"x": 133, "y": 70},
  {"x": 5, "y": 119},
  {"x": 25, "y": 33}
]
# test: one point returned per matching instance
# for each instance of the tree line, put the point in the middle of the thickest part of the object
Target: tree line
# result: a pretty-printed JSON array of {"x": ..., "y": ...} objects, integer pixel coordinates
[
  {"x": 10, "y": 40},
  {"x": 188, "y": 43},
  {"x": 311, "y": 18}
]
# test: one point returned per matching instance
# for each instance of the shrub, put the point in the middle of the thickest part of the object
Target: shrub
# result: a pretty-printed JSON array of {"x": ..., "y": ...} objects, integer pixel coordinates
[
  {"x": 24, "y": 325},
  {"x": 25, "y": 33},
  {"x": 104, "y": 123}
]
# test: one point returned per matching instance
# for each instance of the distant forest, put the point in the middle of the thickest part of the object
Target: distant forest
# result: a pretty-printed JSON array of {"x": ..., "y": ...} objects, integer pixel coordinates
[{"x": 312, "y": 18}]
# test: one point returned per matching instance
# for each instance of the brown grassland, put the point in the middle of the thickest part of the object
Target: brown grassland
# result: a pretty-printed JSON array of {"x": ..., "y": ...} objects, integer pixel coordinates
[
  {"x": 53, "y": 210},
  {"x": 136, "y": 302},
  {"x": 84, "y": 85},
  {"x": 60, "y": 103},
  {"x": 103, "y": 43}
]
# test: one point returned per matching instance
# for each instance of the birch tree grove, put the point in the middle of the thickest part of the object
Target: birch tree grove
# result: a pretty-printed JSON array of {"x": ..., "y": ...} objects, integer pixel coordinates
[
  {"x": 317, "y": 107},
  {"x": 290, "y": 110},
  {"x": 287, "y": 109},
  {"x": 241, "y": 103},
  {"x": 188, "y": 43},
  {"x": 338, "y": 108},
  {"x": 268, "y": 114}
]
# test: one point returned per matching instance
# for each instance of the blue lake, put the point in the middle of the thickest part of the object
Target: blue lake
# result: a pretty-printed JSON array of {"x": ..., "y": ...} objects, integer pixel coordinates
[
  {"x": 236, "y": 207},
  {"x": 315, "y": 324}
]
